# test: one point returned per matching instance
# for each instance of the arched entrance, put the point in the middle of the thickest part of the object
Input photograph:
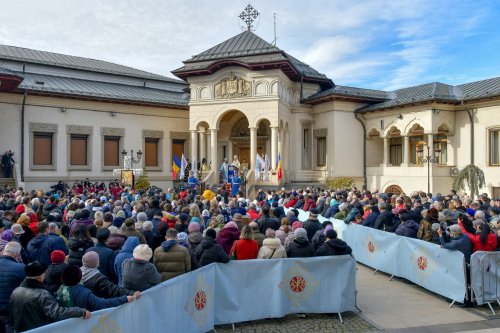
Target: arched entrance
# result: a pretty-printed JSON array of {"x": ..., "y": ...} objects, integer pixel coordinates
[{"x": 394, "y": 189}]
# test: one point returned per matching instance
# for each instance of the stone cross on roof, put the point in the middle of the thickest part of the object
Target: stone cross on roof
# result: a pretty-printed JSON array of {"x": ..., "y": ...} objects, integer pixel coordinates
[{"x": 248, "y": 15}]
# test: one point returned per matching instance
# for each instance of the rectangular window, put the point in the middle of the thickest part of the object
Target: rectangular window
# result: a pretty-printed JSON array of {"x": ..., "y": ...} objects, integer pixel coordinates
[
  {"x": 111, "y": 151},
  {"x": 151, "y": 152},
  {"x": 495, "y": 147},
  {"x": 414, "y": 142},
  {"x": 321, "y": 152},
  {"x": 42, "y": 148},
  {"x": 441, "y": 143},
  {"x": 78, "y": 149},
  {"x": 396, "y": 151}
]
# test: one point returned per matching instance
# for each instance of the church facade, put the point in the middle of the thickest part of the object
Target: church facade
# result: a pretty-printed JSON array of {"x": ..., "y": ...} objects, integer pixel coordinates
[{"x": 241, "y": 98}]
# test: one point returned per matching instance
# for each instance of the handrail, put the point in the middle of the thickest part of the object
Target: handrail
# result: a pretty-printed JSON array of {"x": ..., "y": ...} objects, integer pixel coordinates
[
  {"x": 250, "y": 182},
  {"x": 16, "y": 174}
]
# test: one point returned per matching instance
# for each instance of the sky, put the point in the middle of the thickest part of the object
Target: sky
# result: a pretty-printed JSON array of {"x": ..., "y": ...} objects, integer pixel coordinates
[{"x": 386, "y": 45}]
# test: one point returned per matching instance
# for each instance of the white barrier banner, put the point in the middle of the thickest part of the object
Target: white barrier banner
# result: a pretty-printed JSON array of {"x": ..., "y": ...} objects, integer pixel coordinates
[
  {"x": 485, "y": 276},
  {"x": 230, "y": 293}
]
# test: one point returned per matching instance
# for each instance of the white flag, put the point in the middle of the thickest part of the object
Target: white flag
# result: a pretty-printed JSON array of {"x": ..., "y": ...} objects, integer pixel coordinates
[
  {"x": 257, "y": 167},
  {"x": 266, "y": 168},
  {"x": 184, "y": 165}
]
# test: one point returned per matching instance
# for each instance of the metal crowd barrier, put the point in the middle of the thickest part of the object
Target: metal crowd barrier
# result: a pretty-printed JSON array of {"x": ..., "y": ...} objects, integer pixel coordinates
[{"x": 485, "y": 277}]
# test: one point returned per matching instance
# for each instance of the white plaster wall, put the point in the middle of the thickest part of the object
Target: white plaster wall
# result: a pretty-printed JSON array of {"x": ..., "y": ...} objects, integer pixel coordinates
[{"x": 10, "y": 124}]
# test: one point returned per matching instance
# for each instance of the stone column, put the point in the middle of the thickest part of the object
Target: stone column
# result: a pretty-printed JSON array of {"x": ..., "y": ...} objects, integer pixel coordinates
[
  {"x": 274, "y": 147},
  {"x": 385, "y": 162},
  {"x": 194, "y": 148},
  {"x": 213, "y": 149},
  {"x": 286, "y": 153},
  {"x": 253, "y": 147},
  {"x": 203, "y": 143},
  {"x": 209, "y": 156},
  {"x": 406, "y": 151},
  {"x": 281, "y": 139}
]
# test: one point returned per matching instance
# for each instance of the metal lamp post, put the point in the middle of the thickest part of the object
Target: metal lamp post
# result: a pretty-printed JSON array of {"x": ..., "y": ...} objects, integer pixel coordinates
[{"x": 429, "y": 159}]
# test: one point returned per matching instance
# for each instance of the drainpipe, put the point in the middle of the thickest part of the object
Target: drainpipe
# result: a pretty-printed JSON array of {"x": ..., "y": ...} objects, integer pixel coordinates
[
  {"x": 356, "y": 115},
  {"x": 22, "y": 134},
  {"x": 471, "y": 118}
]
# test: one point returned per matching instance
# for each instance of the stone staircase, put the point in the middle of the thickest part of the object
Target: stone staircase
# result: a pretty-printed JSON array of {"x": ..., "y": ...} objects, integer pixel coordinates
[{"x": 7, "y": 183}]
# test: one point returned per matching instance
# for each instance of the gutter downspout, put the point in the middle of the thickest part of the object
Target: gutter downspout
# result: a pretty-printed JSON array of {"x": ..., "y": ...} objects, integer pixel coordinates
[
  {"x": 356, "y": 115},
  {"x": 301, "y": 87},
  {"x": 22, "y": 134},
  {"x": 471, "y": 118}
]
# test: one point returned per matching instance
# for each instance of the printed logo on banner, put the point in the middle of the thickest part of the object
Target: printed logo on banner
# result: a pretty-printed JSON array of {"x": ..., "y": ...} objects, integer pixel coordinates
[
  {"x": 422, "y": 263},
  {"x": 199, "y": 301},
  {"x": 371, "y": 246},
  {"x": 105, "y": 324},
  {"x": 298, "y": 284}
]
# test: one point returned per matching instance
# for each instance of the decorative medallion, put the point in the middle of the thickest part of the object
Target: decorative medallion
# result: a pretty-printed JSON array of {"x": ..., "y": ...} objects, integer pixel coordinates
[
  {"x": 422, "y": 263},
  {"x": 297, "y": 284},
  {"x": 200, "y": 300},
  {"x": 371, "y": 247},
  {"x": 232, "y": 86}
]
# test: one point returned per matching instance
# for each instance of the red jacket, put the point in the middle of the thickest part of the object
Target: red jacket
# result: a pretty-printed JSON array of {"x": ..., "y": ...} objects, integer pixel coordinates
[
  {"x": 291, "y": 203},
  {"x": 253, "y": 214},
  {"x": 310, "y": 203},
  {"x": 490, "y": 245},
  {"x": 246, "y": 249}
]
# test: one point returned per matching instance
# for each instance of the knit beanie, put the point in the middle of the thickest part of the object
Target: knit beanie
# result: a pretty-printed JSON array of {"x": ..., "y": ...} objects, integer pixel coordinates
[
  {"x": 231, "y": 224},
  {"x": 90, "y": 259},
  {"x": 143, "y": 252},
  {"x": 148, "y": 225},
  {"x": 142, "y": 217},
  {"x": 193, "y": 227},
  {"x": 300, "y": 232},
  {"x": 57, "y": 256}
]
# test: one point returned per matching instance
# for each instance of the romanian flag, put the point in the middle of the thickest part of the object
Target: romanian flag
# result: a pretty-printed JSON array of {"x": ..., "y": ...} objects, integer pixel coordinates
[
  {"x": 279, "y": 171},
  {"x": 176, "y": 166}
]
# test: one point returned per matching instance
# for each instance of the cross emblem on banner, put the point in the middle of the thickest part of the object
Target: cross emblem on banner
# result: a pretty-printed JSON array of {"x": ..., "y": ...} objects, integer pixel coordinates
[{"x": 248, "y": 15}]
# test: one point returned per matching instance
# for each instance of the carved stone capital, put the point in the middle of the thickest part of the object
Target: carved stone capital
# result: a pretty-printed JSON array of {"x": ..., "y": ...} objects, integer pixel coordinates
[
  {"x": 306, "y": 122},
  {"x": 43, "y": 127},
  {"x": 179, "y": 135},
  {"x": 152, "y": 134},
  {"x": 77, "y": 129},
  {"x": 232, "y": 87},
  {"x": 320, "y": 132},
  {"x": 112, "y": 131}
]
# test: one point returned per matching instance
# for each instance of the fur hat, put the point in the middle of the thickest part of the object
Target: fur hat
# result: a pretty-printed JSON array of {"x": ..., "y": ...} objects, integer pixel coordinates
[
  {"x": 143, "y": 252},
  {"x": 71, "y": 276},
  {"x": 35, "y": 269},
  {"x": 90, "y": 259},
  {"x": 57, "y": 256},
  {"x": 300, "y": 232}
]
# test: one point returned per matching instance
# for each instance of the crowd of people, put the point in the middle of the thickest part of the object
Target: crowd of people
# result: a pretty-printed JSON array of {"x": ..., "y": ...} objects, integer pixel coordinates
[{"x": 67, "y": 253}]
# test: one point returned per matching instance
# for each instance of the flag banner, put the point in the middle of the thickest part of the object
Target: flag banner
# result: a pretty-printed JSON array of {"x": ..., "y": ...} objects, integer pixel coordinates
[
  {"x": 176, "y": 166},
  {"x": 227, "y": 293},
  {"x": 426, "y": 264},
  {"x": 278, "y": 168},
  {"x": 184, "y": 165}
]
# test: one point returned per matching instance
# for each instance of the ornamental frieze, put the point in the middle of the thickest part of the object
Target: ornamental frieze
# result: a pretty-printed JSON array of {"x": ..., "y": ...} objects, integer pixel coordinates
[
  {"x": 43, "y": 127},
  {"x": 232, "y": 86}
]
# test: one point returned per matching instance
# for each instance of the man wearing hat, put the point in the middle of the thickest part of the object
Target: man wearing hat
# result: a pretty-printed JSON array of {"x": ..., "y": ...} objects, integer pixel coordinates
[
  {"x": 106, "y": 255},
  {"x": 312, "y": 224},
  {"x": 11, "y": 276},
  {"x": 35, "y": 303}
]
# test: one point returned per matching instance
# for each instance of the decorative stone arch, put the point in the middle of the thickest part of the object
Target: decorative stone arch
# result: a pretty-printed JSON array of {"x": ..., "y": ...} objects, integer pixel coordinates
[
  {"x": 281, "y": 126},
  {"x": 394, "y": 189},
  {"x": 274, "y": 86},
  {"x": 373, "y": 132},
  {"x": 412, "y": 124},
  {"x": 194, "y": 94},
  {"x": 261, "y": 117},
  {"x": 202, "y": 124},
  {"x": 445, "y": 124},
  {"x": 261, "y": 88},
  {"x": 195, "y": 124},
  {"x": 227, "y": 109},
  {"x": 391, "y": 129},
  {"x": 415, "y": 129},
  {"x": 205, "y": 93}
]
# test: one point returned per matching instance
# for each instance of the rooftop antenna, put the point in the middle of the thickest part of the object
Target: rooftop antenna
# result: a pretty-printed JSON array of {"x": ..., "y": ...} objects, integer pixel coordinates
[
  {"x": 248, "y": 15},
  {"x": 275, "y": 38}
]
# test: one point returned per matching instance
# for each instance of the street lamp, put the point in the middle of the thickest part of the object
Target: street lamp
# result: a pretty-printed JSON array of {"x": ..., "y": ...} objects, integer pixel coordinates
[
  {"x": 428, "y": 159},
  {"x": 132, "y": 159}
]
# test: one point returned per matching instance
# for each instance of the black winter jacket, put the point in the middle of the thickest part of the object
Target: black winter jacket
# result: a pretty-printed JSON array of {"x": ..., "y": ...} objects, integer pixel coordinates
[
  {"x": 106, "y": 260},
  {"x": 300, "y": 248},
  {"x": 312, "y": 225},
  {"x": 102, "y": 287},
  {"x": 209, "y": 251},
  {"x": 267, "y": 221},
  {"x": 384, "y": 219},
  {"x": 53, "y": 277},
  {"x": 334, "y": 247},
  {"x": 77, "y": 248},
  {"x": 11, "y": 276},
  {"x": 37, "y": 306}
]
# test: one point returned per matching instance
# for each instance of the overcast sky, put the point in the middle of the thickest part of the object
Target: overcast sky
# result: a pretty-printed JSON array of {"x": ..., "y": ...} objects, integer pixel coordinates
[{"x": 373, "y": 44}]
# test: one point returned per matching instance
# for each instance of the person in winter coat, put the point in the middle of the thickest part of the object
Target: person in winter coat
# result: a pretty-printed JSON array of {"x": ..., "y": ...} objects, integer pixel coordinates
[
  {"x": 483, "y": 239},
  {"x": 266, "y": 221},
  {"x": 54, "y": 271},
  {"x": 312, "y": 224},
  {"x": 33, "y": 222},
  {"x": 84, "y": 220},
  {"x": 284, "y": 230},
  {"x": 72, "y": 293},
  {"x": 386, "y": 217},
  {"x": 97, "y": 282},
  {"x": 171, "y": 259},
  {"x": 246, "y": 247},
  {"x": 227, "y": 236},
  {"x": 209, "y": 251},
  {"x": 125, "y": 253},
  {"x": 271, "y": 247},
  {"x": 79, "y": 242},
  {"x": 148, "y": 233},
  {"x": 309, "y": 203},
  {"x": 129, "y": 230},
  {"x": 106, "y": 255},
  {"x": 407, "y": 227},
  {"x": 425, "y": 231},
  {"x": 154, "y": 209},
  {"x": 300, "y": 247},
  {"x": 40, "y": 247},
  {"x": 11, "y": 276},
  {"x": 28, "y": 234},
  {"x": 333, "y": 246},
  {"x": 369, "y": 221},
  {"x": 138, "y": 273},
  {"x": 116, "y": 239},
  {"x": 457, "y": 241},
  {"x": 36, "y": 304}
]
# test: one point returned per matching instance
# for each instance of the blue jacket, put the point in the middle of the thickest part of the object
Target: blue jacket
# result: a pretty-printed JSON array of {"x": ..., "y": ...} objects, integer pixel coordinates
[
  {"x": 106, "y": 260},
  {"x": 40, "y": 247},
  {"x": 83, "y": 298},
  {"x": 460, "y": 243},
  {"x": 370, "y": 219},
  {"x": 407, "y": 228},
  {"x": 125, "y": 253},
  {"x": 11, "y": 276}
]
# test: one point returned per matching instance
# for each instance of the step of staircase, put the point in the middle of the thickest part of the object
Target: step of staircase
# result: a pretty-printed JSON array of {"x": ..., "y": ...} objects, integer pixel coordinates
[{"x": 7, "y": 183}]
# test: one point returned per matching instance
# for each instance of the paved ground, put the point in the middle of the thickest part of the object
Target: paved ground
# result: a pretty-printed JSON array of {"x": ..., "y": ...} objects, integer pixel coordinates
[{"x": 388, "y": 306}]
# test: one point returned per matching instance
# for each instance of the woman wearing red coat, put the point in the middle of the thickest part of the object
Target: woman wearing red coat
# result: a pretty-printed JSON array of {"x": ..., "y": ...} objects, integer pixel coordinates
[
  {"x": 483, "y": 239},
  {"x": 246, "y": 247}
]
